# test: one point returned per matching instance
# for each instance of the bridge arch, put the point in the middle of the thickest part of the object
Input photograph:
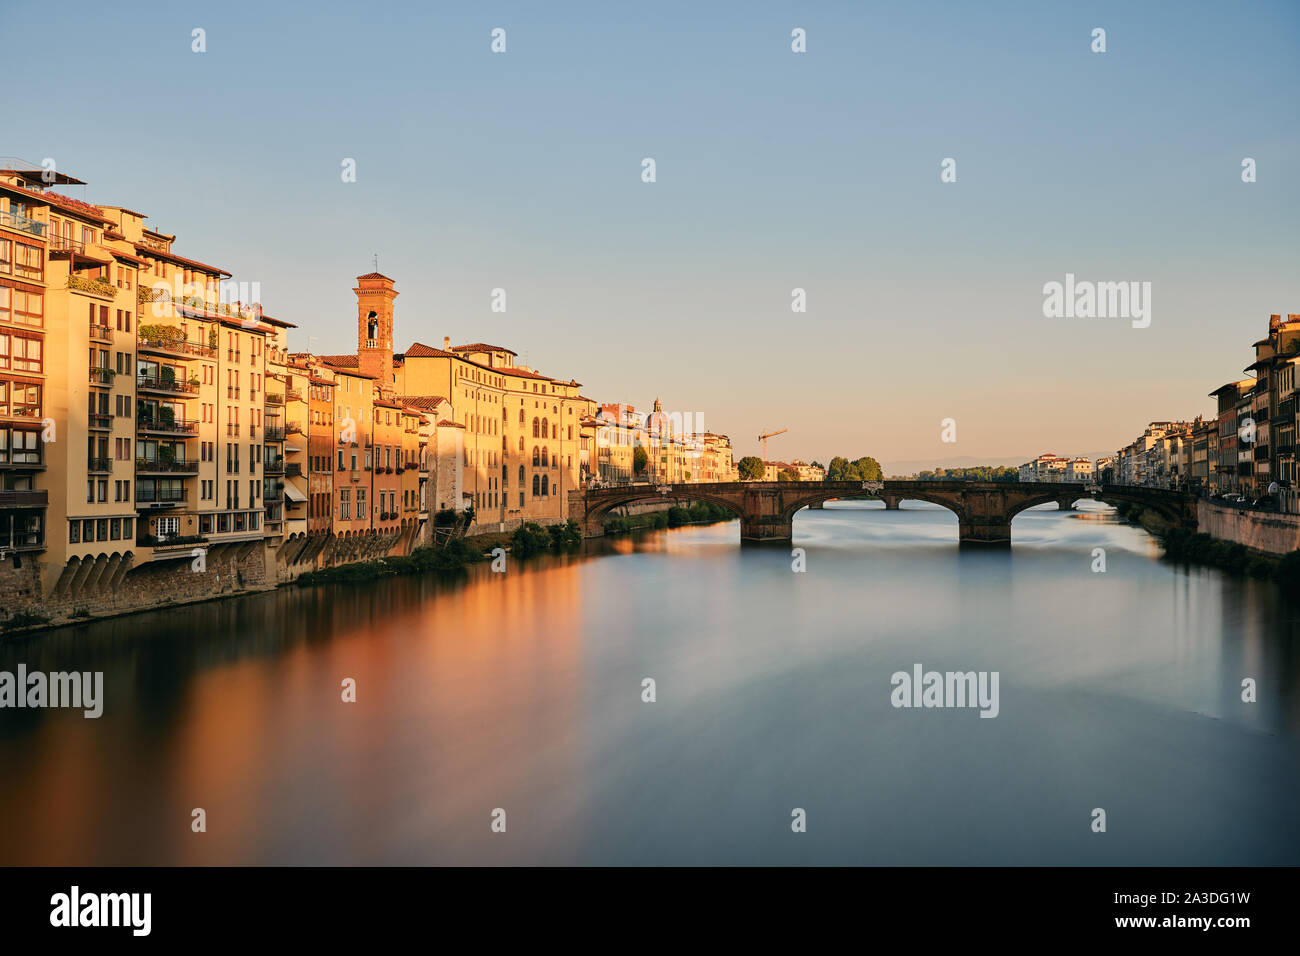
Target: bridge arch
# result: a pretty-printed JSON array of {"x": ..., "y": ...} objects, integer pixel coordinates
[
  {"x": 892, "y": 501},
  {"x": 596, "y": 513}
]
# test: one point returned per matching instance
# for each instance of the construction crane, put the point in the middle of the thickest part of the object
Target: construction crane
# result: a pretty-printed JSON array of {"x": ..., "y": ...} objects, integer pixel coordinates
[{"x": 765, "y": 436}]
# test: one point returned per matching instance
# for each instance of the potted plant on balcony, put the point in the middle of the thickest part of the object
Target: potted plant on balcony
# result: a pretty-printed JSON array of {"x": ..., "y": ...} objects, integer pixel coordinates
[
  {"x": 167, "y": 415},
  {"x": 166, "y": 454},
  {"x": 167, "y": 375}
]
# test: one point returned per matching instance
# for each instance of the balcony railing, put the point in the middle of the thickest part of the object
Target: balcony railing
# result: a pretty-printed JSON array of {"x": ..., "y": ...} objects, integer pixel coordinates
[
  {"x": 273, "y": 399},
  {"x": 292, "y": 395},
  {"x": 163, "y": 465},
  {"x": 98, "y": 420},
  {"x": 66, "y": 244},
  {"x": 102, "y": 376},
  {"x": 177, "y": 426},
  {"x": 293, "y": 428},
  {"x": 99, "y": 464},
  {"x": 24, "y": 499},
  {"x": 161, "y": 496},
  {"x": 100, "y": 332},
  {"x": 22, "y": 223},
  {"x": 173, "y": 346},
  {"x": 273, "y": 433},
  {"x": 273, "y": 467},
  {"x": 293, "y": 470},
  {"x": 161, "y": 383}
]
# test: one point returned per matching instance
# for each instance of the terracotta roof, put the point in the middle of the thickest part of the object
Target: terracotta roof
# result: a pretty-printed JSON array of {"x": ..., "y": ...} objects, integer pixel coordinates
[
  {"x": 158, "y": 253},
  {"x": 343, "y": 361},
  {"x": 130, "y": 258},
  {"x": 374, "y": 275},
  {"x": 66, "y": 203},
  {"x": 420, "y": 350},
  {"x": 448, "y": 424},
  {"x": 480, "y": 347},
  {"x": 523, "y": 374},
  {"x": 426, "y": 402}
]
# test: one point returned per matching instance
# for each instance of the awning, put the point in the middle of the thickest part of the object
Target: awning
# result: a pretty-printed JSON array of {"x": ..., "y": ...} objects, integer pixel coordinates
[{"x": 293, "y": 493}]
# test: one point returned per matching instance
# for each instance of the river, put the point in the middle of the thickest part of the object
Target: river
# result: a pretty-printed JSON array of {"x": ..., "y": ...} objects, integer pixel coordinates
[{"x": 1118, "y": 690}]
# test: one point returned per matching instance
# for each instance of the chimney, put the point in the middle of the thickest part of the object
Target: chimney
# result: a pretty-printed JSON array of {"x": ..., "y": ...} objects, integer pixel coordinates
[{"x": 446, "y": 343}]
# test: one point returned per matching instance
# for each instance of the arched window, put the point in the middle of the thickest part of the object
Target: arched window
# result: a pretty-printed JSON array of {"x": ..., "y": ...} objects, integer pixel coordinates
[
  {"x": 521, "y": 477},
  {"x": 505, "y": 476},
  {"x": 545, "y": 486},
  {"x": 521, "y": 442},
  {"x": 545, "y": 459},
  {"x": 536, "y": 484},
  {"x": 505, "y": 415},
  {"x": 521, "y": 415},
  {"x": 536, "y": 434},
  {"x": 555, "y": 431},
  {"x": 546, "y": 430},
  {"x": 537, "y": 456}
]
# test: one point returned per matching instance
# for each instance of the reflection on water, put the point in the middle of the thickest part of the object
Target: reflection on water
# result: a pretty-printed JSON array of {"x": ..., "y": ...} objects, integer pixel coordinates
[{"x": 523, "y": 691}]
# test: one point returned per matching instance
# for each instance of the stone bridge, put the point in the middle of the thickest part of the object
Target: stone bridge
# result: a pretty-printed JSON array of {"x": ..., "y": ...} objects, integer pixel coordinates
[{"x": 984, "y": 509}]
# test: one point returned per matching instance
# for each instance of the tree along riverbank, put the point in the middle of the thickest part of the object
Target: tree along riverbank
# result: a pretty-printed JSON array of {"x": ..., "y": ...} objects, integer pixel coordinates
[{"x": 701, "y": 512}]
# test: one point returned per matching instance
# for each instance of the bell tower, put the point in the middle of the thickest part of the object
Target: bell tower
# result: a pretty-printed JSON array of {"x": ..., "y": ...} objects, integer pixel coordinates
[{"x": 375, "y": 295}]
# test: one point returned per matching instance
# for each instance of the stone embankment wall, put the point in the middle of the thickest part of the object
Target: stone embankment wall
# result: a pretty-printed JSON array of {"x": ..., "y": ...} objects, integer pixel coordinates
[
  {"x": 121, "y": 586},
  {"x": 1261, "y": 531}
]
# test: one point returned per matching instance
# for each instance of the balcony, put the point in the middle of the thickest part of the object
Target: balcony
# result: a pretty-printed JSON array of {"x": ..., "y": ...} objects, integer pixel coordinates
[
  {"x": 66, "y": 244},
  {"x": 273, "y": 467},
  {"x": 97, "y": 287},
  {"x": 101, "y": 333},
  {"x": 165, "y": 383},
  {"x": 161, "y": 497},
  {"x": 273, "y": 433},
  {"x": 273, "y": 399},
  {"x": 162, "y": 426},
  {"x": 160, "y": 466},
  {"x": 24, "y": 499},
  {"x": 293, "y": 428},
  {"x": 293, "y": 470},
  {"x": 172, "y": 345},
  {"x": 22, "y": 224},
  {"x": 292, "y": 395},
  {"x": 99, "y": 420},
  {"x": 102, "y": 376},
  {"x": 99, "y": 465}
]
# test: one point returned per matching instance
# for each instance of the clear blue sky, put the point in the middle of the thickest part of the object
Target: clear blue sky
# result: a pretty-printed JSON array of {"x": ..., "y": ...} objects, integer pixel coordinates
[{"x": 775, "y": 170}]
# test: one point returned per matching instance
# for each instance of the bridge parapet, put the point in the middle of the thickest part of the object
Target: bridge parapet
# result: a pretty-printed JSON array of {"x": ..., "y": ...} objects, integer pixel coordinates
[{"x": 984, "y": 509}]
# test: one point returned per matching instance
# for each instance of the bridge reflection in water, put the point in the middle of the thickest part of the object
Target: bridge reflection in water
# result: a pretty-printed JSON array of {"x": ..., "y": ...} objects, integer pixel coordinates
[{"x": 984, "y": 509}]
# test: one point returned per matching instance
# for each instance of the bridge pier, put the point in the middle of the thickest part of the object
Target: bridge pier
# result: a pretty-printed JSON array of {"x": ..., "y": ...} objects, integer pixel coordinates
[
  {"x": 891, "y": 502},
  {"x": 984, "y": 533},
  {"x": 766, "y": 529}
]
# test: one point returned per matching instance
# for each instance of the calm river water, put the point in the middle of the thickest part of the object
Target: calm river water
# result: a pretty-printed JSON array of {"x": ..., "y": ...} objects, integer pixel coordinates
[{"x": 1118, "y": 690}]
